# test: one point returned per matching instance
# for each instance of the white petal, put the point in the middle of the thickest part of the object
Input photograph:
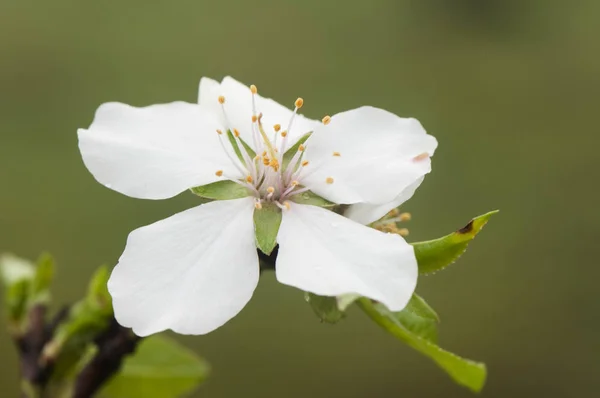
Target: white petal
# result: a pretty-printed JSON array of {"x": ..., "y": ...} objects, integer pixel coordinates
[
  {"x": 377, "y": 162},
  {"x": 208, "y": 97},
  {"x": 153, "y": 152},
  {"x": 190, "y": 273},
  {"x": 366, "y": 213},
  {"x": 330, "y": 255},
  {"x": 238, "y": 105}
]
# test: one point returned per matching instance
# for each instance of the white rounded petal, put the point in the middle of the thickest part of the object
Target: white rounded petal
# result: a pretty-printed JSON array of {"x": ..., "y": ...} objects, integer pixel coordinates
[
  {"x": 366, "y": 213},
  {"x": 380, "y": 155},
  {"x": 238, "y": 105},
  {"x": 209, "y": 91},
  {"x": 153, "y": 152},
  {"x": 330, "y": 255},
  {"x": 190, "y": 273}
]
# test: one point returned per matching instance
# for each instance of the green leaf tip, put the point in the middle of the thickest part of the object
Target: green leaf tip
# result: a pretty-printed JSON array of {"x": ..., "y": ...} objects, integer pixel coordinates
[
  {"x": 222, "y": 190},
  {"x": 437, "y": 254},
  {"x": 160, "y": 368},
  {"x": 310, "y": 198},
  {"x": 267, "y": 220},
  {"x": 463, "y": 371}
]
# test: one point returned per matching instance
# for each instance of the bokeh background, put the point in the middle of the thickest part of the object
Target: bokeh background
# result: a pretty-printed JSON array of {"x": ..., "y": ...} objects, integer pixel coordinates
[{"x": 510, "y": 88}]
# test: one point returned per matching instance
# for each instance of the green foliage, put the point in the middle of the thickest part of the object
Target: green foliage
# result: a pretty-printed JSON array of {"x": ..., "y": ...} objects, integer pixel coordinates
[
  {"x": 310, "y": 198},
  {"x": 42, "y": 279},
  {"x": 465, "y": 372},
  {"x": 437, "y": 254},
  {"x": 266, "y": 225},
  {"x": 160, "y": 368},
  {"x": 222, "y": 190},
  {"x": 326, "y": 308},
  {"x": 289, "y": 154},
  {"x": 419, "y": 318}
]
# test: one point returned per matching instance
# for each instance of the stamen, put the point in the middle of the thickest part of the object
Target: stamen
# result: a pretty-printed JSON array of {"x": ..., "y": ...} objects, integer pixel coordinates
[
  {"x": 257, "y": 205},
  {"x": 299, "y": 102},
  {"x": 405, "y": 217},
  {"x": 284, "y": 134},
  {"x": 403, "y": 232},
  {"x": 220, "y": 132},
  {"x": 253, "y": 89},
  {"x": 326, "y": 120},
  {"x": 249, "y": 179},
  {"x": 329, "y": 180},
  {"x": 270, "y": 189},
  {"x": 337, "y": 154},
  {"x": 301, "y": 148},
  {"x": 286, "y": 204},
  {"x": 221, "y": 99},
  {"x": 254, "y": 118},
  {"x": 305, "y": 163},
  {"x": 236, "y": 132},
  {"x": 219, "y": 173},
  {"x": 277, "y": 127}
]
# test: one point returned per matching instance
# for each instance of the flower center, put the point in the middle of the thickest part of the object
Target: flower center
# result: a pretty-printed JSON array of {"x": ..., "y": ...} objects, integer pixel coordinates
[{"x": 267, "y": 176}]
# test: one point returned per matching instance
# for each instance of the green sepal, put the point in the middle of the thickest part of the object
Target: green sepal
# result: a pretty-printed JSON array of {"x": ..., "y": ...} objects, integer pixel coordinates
[
  {"x": 325, "y": 307},
  {"x": 289, "y": 154},
  {"x": 17, "y": 275},
  {"x": 236, "y": 147},
  {"x": 419, "y": 318},
  {"x": 222, "y": 190},
  {"x": 160, "y": 368},
  {"x": 310, "y": 198},
  {"x": 437, "y": 254},
  {"x": 267, "y": 220},
  {"x": 463, "y": 371}
]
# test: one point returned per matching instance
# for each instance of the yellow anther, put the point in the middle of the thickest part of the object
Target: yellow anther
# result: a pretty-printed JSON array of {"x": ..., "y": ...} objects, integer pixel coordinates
[
  {"x": 277, "y": 127},
  {"x": 393, "y": 213},
  {"x": 221, "y": 99},
  {"x": 253, "y": 89},
  {"x": 254, "y": 118},
  {"x": 403, "y": 232},
  {"x": 219, "y": 132},
  {"x": 264, "y": 153},
  {"x": 304, "y": 163},
  {"x": 337, "y": 154},
  {"x": 257, "y": 205},
  {"x": 286, "y": 204},
  {"x": 219, "y": 173},
  {"x": 270, "y": 190},
  {"x": 326, "y": 120},
  {"x": 266, "y": 161},
  {"x": 299, "y": 102},
  {"x": 420, "y": 157},
  {"x": 283, "y": 133},
  {"x": 236, "y": 132},
  {"x": 295, "y": 183},
  {"x": 329, "y": 180},
  {"x": 405, "y": 217},
  {"x": 301, "y": 148},
  {"x": 249, "y": 179},
  {"x": 274, "y": 164}
]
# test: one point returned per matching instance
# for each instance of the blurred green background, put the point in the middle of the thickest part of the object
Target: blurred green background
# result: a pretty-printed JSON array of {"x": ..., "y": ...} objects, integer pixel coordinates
[{"x": 510, "y": 88}]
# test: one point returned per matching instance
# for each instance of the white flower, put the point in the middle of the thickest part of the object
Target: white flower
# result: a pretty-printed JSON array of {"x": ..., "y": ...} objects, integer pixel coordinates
[{"x": 194, "y": 271}]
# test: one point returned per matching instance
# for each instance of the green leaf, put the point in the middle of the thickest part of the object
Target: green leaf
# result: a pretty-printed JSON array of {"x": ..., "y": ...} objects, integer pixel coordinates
[
  {"x": 326, "y": 308},
  {"x": 44, "y": 273},
  {"x": 266, "y": 225},
  {"x": 465, "y": 372},
  {"x": 98, "y": 296},
  {"x": 222, "y": 190},
  {"x": 236, "y": 147},
  {"x": 437, "y": 254},
  {"x": 289, "y": 154},
  {"x": 17, "y": 298},
  {"x": 14, "y": 269},
  {"x": 419, "y": 318},
  {"x": 310, "y": 198},
  {"x": 160, "y": 368}
]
